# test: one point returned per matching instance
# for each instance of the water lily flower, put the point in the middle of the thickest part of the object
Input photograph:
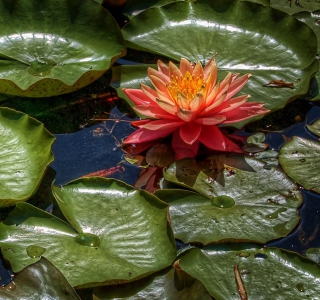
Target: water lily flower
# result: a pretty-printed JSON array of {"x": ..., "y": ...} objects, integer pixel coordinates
[{"x": 189, "y": 103}]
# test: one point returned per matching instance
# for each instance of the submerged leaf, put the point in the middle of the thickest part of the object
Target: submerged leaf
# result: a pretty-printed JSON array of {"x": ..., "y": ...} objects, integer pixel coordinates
[
  {"x": 120, "y": 233},
  {"x": 265, "y": 273},
  {"x": 235, "y": 205},
  {"x": 300, "y": 159},
  {"x": 25, "y": 153}
]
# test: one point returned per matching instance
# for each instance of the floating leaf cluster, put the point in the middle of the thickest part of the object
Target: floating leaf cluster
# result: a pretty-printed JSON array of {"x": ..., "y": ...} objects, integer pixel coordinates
[{"x": 106, "y": 239}]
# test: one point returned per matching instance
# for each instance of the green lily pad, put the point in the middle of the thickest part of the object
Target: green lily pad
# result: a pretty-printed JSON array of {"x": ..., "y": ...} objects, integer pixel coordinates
[
  {"x": 314, "y": 254},
  {"x": 117, "y": 234},
  {"x": 300, "y": 159},
  {"x": 315, "y": 127},
  {"x": 25, "y": 153},
  {"x": 39, "y": 281},
  {"x": 235, "y": 205},
  {"x": 312, "y": 19},
  {"x": 244, "y": 37},
  {"x": 54, "y": 47},
  {"x": 265, "y": 273},
  {"x": 165, "y": 285}
]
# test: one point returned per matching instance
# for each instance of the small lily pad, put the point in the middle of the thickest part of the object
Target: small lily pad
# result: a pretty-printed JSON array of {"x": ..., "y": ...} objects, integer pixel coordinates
[
  {"x": 314, "y": 254},
  {"x": 54, "y": 47},
  {"x": 235, "y": 205},
  {"x": 119, "y": 232},
  {"x": 239, "y": 272},
  {"x": 300, "y": 159},
  {"x": 165, "y": 285},
  {"x": 25, "y": 153},
  {"x": 40, "y": 280},
  {"x": 315, "y": 127}
]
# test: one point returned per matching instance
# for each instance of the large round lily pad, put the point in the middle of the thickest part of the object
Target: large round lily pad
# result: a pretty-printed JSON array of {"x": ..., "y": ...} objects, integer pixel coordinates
[
  {"x": 54, "y": 47},
  {"x": 300, "y": 159},
  {"x": 236, "y": 204},
  {"x": 39, "y": 281},
  {"x": 244, "y": 37},
  {"x": 235, "y": 272},
  {"x": 25, "y": 153},
  {"x": 117, "y": 234}
]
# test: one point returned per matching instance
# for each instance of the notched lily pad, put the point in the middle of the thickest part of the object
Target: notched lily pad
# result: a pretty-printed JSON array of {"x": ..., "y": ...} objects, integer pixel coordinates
[
  {"x": 234, "y": 273},
  {"x": 235, "y": 205},
  {"x": 25, "y": 153},
  {"x": 54, "y": 47},
  {"x": 300, "y": 159},
  {"x": 270, "y": 48},
  {"x": 315, "y": 127},
  {"x": 165, "y": 285},
  {"x": 119, "y": 232},
  {"x": 39, "y": 281}
]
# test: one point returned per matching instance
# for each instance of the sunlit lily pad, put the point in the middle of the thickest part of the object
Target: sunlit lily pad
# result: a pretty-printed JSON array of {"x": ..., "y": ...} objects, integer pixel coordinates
[
  {"x": 315, "y": 127},
  {"x": 314, "y": 254},
  {"x": 295, "y": 6},
  {"x": 55, "y": 47},
  {"x": 265, "y": 273},
  {"x": 117, "y": 234},
  {"x": 164, "y": 285},
  {"x": 244, "y": 38},
  {"x": 235, "y": 205},
  {"x": 300, "y": 159},
  {"x": 39, "y": 281},
  {"x": 25, "y": 153}
]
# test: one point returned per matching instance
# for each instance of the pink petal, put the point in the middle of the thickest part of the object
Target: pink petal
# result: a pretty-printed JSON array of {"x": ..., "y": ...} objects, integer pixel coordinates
[
  {"x": 150, "y": 92},
  {"x": 182, "y": 101},
  {"x": 155, "y": 112},
  {"x": 163, "y": 124},
  {"x": 167, "y": 106},
  {"x": 210, "y": 68},
  {"x": 163, "y": 68},
  {"x": 210, "y": 98},
  {"x": 208, "y": 110},
  {"x": 158, "y": 74},
  {"x": 174, "y": 71},
  {"x": 216, "y": 119},
  {"x": 245, "y": 111},
  {"x": 159, "y": 85},
  {"x": 237, "y": 84},
  {"x": 138, "y": 97},
  {"x": 182, "y": 149},
  {"x": 196, "y": 102},
  {"x": 185, "y": 66},
  {"x": 224, "y": 85},
  {"x": 185, "y": 114},
  {"x": 197, "y": 71},
  {"x": 231, "y": 104},
  {"x": 212, "y": 137},
  {"x": 140, "y": 123},
  {"x": 190, "y": 132},
  {"x": 144, "y": 135}
]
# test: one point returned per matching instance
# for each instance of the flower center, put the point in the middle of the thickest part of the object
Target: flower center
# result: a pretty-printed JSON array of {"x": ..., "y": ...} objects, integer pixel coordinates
[{"x": 186, "y": 85}]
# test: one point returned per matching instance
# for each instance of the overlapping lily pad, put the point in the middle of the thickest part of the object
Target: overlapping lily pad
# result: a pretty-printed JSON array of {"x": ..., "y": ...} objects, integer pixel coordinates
[
  {"x": 300, "y": 159},
  {"x": 55, "y": 47},
  {"x": 243, "y": 203},
  {"x": 117, "y": 234},
  {"x": 165, "y": 285},
  {"x": 244, "y": 37},
  {"x": 39, "y": 281},
  {"x": 25, "y": 153},
  {"x": 235, "y": 272}
]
